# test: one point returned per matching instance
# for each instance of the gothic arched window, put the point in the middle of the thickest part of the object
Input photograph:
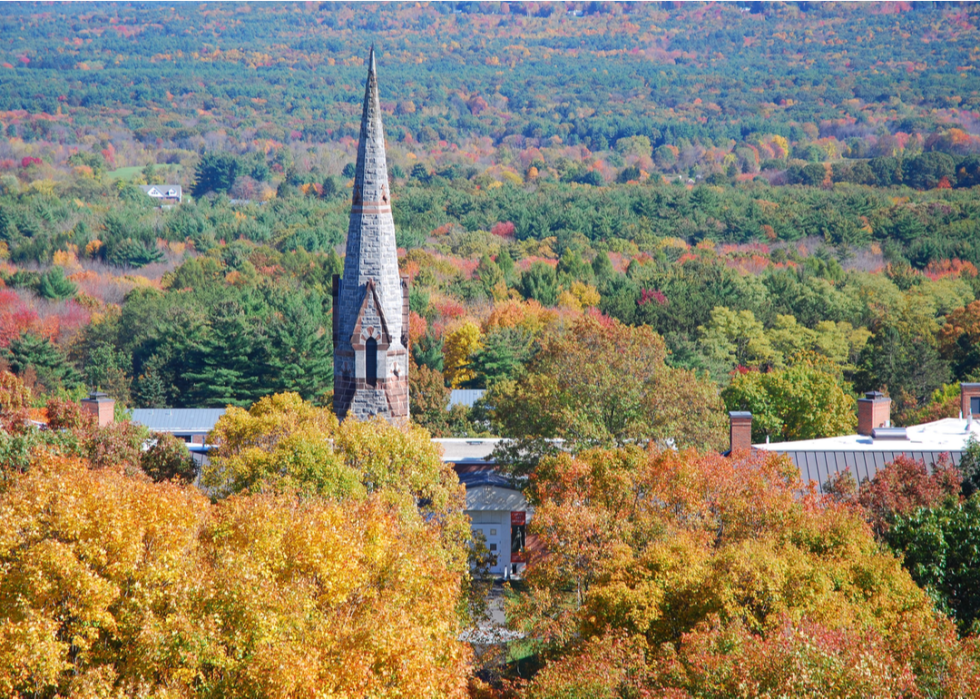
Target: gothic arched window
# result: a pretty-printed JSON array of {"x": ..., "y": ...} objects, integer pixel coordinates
[{"x": 371, "y": 362}]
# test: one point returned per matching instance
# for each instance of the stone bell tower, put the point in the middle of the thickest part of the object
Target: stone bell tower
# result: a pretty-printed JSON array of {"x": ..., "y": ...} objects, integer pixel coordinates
[{"x": 370, "y": 303}]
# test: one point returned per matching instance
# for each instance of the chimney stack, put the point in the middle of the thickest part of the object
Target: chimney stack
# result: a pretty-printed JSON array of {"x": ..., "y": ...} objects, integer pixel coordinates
[
  {"x": 969, "y": 399},
  {"x": 740, "y": 433},
  {"x": 101, "y": 406},
  {"x": 874, "y": 410}
]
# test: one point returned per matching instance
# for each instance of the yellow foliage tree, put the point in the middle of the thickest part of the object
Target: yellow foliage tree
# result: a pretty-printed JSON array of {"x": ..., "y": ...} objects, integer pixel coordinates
[
  {"x": 458, "y": 346},
  {"x": 111, "y": 585}
]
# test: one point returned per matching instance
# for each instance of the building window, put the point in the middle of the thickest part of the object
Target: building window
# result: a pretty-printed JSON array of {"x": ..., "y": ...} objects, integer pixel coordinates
[
  {"x": 493, "y": 532},
  {"x": 371, "y": 362},
  {"x": 975, "y": 406}
]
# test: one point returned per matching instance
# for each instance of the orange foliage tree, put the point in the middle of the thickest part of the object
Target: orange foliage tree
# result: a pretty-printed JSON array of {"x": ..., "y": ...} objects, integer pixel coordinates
[{"x": 688, "y": 574}]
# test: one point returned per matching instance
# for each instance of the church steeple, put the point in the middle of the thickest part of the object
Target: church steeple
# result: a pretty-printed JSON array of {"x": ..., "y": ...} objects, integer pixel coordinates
[
  {"x": 371, "y": 178},
  {"x": 371, "y": 302}
]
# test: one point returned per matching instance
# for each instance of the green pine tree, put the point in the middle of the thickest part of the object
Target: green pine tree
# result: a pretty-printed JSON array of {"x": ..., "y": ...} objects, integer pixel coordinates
[
  {"x": 52, "y": 367},
  {"x": 300, "y": 348},
  {"x": 54, "y": 286},
  {"x": 150, "y": 387}
]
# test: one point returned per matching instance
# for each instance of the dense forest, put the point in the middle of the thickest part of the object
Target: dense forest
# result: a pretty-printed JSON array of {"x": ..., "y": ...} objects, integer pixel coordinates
[{"x": 750, "y": 181}]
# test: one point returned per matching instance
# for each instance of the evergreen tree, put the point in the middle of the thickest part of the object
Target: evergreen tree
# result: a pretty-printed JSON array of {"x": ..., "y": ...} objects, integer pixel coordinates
[
  {"x": 223, "y": 363},
  {"x": 53, "y": 369},
  {"x": 420, "y": 173},
  {"x": 427, "y": 351},
  {"x": 541, "y": 284},
  {"x": 150, "y": 387},
  {"x": 104, "y": 370},
  {"x": 602, "y": 268},
  {"x": 506, "y": 264},
  {"x": 501, "y": 357},
  {"x": 54, "y": 286},
  {"x": 216, "y": 172},
  {"x": 490, "y": 276},
  {"x": 300, "y": 348}
]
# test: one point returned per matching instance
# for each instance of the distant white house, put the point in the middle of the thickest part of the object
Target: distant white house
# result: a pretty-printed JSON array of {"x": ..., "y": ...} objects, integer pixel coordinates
[{"x": 169, "y": 193}]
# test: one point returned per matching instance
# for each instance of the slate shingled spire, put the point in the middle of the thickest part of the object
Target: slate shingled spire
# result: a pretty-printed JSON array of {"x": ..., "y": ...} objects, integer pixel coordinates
[{"x": 370, "y": 319}]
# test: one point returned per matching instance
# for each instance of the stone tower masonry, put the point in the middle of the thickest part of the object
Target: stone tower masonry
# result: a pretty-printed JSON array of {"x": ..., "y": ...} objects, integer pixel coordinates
[{"x": 370, "y": 303}]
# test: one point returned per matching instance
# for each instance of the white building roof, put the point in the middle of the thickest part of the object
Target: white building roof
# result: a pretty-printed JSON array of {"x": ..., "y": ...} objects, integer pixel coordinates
[
  {"x": 467, "y": 451},
  {"x": 818, "y": 459},
  {"x": 162, "y": 191}
]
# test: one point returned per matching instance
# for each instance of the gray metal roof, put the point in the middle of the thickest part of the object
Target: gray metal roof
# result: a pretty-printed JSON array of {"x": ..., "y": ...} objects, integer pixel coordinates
[
  {"x": 178, "y": 420},
  {"x": 819, "y": 466},
  {"x": 865, "y": 455},
  {"x": 465, "y": 396},
  {"x": 491, "y": 497},
  {"x": 474, "y": 479}
]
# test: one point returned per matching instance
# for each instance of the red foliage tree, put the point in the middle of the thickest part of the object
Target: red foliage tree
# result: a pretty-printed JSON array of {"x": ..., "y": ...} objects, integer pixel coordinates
[{"x": 905, "y": 485}]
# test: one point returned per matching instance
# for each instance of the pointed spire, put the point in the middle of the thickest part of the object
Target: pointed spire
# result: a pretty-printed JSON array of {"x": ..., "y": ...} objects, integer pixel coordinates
[
  {"x": 371, "y": 301},
  {"x": 371, "y": 178}
]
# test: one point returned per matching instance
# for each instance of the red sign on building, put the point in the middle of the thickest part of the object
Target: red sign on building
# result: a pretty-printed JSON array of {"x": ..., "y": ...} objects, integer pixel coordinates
[{"x": 517, "y": 518}]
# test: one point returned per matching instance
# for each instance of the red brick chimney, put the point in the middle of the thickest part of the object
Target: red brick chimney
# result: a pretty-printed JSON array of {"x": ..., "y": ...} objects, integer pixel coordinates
[
  {"x": 969, "y": 392},
  {"x": 101, "y": 406},
  {"x": 740, "y": 432},
  {"x": 874, "y": 410}
]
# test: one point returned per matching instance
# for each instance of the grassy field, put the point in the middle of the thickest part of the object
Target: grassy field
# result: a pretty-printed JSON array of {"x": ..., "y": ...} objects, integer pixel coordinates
[{"x": 128, "y": 173}]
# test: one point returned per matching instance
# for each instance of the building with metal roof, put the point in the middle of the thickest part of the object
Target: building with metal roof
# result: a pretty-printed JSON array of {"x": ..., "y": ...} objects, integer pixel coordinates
[
  {"x": 465, "y": 396},
  {"x": 865, "y": 455},
  {"x": 497, "y": 509},
  {"x": 190, "y": 424},
  {"x": 876, "y": 443}
]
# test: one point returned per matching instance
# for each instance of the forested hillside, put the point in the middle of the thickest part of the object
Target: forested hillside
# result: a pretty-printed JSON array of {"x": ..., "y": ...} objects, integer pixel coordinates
[{"x": 769, "y": 188}]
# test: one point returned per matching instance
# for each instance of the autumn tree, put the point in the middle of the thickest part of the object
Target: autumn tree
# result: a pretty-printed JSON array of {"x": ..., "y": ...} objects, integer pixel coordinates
[
  {"x": 959, "y": 339},
  {"x": 283, "y": 443},
  {"x": 905, "y": 485},
  {"x": 691, "y": 574},
  {"x": 807, "y": 400},
  {"x": 112, "y": 584},
  {"x": 167, "y": 459},
  {"x": 458, "y": 346},
  {"x": 605, "y": 383}
]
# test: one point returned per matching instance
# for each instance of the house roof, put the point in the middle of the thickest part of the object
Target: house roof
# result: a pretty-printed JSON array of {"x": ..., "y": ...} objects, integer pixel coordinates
[
  {"x": 475, "y": 479},
  {"x": 166, "y": 191},
  {"x": 178, "y": 420},
  {"x": 488, "y": 490},
  {"x": 467, "y": 451},
  {"x": 465, "y": 396},
  {"x": 818, "y": 459}
]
